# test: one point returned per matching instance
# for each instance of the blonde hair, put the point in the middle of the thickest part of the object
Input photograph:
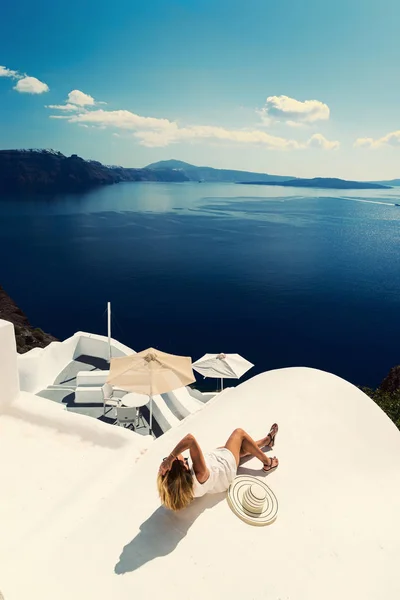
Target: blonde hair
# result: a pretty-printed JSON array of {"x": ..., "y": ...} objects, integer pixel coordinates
[{"x": 176, "y": 486}]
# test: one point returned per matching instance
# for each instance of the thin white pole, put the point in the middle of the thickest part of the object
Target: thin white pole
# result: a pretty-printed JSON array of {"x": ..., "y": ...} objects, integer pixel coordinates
[
  {"x": 151, "y": 414},
  {"x": 151, "y": 400},
  {"x": 109, "y": 329},
  {"x": 222, "y": 384}
]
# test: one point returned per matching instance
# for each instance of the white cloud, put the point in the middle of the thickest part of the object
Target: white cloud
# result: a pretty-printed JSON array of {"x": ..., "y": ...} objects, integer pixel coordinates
[
  {"x": 155, "y": 132},
  {"x": 294, "y": 124},
  {"x": 25, "y": 84},
  {"x": 160, "y": 132},
  {"x": 31, "y": 85},
  {"x": 121, "y": 119},
  {"x": 291, "y": 111},
  {"x": 4, "y": 72},
  {"x": 67, "y": 107},
  {"x": 76, "y": 101},
  {"x": 319, "y": 141},
  {"x": 80, "y": 99},
  {"x": 364, "y": 143},
  {"x": 211, "y": 133},
  {"x": 391, "y": 139}
]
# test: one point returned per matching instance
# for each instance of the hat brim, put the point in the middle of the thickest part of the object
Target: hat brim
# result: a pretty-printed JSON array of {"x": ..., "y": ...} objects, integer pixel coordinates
[{"x": 235, "y": 495}]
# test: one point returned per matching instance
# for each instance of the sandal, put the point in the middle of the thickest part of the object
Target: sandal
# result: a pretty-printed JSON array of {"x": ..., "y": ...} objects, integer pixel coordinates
[
  {"x": 272, "y": 435},
  {"x": 270, "y": 467}
]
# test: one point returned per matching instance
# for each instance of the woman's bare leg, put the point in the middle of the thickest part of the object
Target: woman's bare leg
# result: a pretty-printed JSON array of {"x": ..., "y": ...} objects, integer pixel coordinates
[
  {"x": 260, "y": 443},
  {"x": 240, "y": 442},
  {"x": 266, "y": 441}
]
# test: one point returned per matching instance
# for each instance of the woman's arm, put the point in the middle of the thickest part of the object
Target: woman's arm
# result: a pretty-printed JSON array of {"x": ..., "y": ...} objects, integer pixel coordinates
[
  {"x": 190, "y": 443},
  {"x": 199, "y": 464}
]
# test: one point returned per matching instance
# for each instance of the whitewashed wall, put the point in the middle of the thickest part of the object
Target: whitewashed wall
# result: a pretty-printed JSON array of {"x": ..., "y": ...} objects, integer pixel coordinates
[
  {"x": 9, "y": 387},
  {"x": 39, "y": 367},
  {"x": 97, "y": 345}
]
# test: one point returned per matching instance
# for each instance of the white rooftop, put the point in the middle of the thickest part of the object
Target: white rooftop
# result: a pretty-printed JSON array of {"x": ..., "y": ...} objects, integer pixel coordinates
[{"x": 80, "y": 517}]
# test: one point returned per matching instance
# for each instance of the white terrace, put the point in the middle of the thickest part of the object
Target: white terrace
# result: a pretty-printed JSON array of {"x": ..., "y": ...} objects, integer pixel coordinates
[
  {"x": 80, "y": 517},
  {"x": 73, "y": 372}
]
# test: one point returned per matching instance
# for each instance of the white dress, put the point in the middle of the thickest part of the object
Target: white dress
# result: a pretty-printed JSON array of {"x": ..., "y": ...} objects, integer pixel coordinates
[{"x": 222, "y": 467}]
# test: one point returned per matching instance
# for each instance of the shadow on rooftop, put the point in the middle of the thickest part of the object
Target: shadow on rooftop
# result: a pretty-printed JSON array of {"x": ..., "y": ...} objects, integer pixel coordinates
[
  {"x": 255, "y": 472},
  {"x": 161, "y": 533}
]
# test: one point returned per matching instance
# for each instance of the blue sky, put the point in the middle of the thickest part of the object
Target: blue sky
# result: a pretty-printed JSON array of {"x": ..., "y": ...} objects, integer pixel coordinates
[{"x": 305, "y": 88}]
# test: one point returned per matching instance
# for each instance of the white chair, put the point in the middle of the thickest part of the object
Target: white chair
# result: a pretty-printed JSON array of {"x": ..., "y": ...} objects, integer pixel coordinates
[
  {"x": 108, "y": 397},
  {"x": 126, "y": 415}
]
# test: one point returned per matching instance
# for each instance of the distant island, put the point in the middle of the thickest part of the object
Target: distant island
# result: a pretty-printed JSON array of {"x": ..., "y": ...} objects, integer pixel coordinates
[
  {"x": 390, "y": 182},
  {"x": 322, "y": 182},
  {"x": 50, "y": 171}
]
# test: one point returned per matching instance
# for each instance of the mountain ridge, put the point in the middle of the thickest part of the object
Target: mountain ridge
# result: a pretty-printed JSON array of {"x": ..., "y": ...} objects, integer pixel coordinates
[{"x": 210, "y": 174}]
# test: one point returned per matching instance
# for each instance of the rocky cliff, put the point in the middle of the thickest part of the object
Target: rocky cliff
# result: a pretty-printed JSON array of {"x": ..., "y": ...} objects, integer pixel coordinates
[
  {"x": 387, "y": 395},
  {"x": 27, "y": 336},
  {"x": 391, "y": 383},
  {"x": 48, "y": 171}
]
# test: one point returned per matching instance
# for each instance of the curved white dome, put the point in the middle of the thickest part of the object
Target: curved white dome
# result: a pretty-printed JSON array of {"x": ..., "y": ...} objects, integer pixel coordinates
[{"x": 336, "y": 535}]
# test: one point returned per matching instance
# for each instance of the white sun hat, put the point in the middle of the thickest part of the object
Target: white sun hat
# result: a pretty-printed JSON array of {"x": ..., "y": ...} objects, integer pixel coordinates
[{"x": 252, "y": 500}]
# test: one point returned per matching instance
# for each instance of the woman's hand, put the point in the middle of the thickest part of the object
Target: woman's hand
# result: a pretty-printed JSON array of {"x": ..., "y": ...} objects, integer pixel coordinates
[{"x": 166, "y": 464}]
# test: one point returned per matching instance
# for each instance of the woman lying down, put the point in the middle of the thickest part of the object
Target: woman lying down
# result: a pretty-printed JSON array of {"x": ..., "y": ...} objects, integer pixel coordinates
[{"x": 211, "y": 472}]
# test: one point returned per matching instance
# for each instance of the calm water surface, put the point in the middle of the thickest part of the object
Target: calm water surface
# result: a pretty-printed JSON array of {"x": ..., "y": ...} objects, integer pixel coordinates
[{"x": 283, "y": 276}]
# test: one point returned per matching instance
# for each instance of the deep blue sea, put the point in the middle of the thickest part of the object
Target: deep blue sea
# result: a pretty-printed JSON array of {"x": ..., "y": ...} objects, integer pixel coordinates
[{"x": 283, "y": 276}]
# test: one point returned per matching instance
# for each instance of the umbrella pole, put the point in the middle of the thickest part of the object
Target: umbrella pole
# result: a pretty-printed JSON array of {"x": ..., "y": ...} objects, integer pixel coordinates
[
  {"x": 151, "y": 403},
  {"x": 151, "y": 415},
  {"x": 109, "y": 329},
  {"x": 222, "y": 384}
]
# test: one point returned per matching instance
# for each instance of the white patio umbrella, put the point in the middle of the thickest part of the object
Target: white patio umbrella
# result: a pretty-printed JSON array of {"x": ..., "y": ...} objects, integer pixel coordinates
[
  {"x": 222, "y": 366},
  {"x": 151, "y": 372}
]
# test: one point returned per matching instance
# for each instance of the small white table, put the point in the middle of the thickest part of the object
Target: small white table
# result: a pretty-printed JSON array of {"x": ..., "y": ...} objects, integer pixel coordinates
[{"x": 134, "y": 400}]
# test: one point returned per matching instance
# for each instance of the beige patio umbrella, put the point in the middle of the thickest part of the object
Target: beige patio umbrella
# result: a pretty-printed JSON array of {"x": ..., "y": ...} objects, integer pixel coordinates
[{"x": 151, "y": 372}]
